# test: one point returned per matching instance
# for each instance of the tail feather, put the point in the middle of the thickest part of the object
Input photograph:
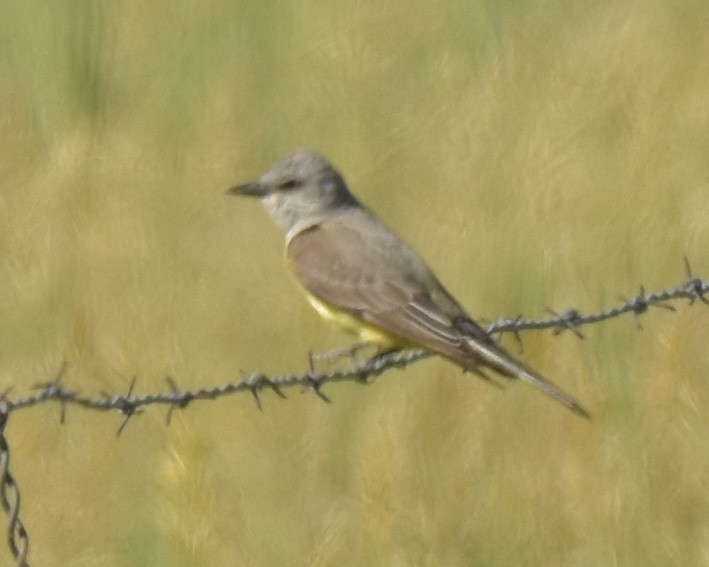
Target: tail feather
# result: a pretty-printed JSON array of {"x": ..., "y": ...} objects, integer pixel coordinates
[{"x": 488, "y": 354}]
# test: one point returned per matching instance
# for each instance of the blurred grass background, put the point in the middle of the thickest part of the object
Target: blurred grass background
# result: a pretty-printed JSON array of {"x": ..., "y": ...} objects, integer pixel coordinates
[{"x": 537, "y": 154}]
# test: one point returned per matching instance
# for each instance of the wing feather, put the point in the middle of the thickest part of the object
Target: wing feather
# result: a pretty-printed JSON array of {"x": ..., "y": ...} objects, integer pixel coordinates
[{"x": 378, "y": 279}]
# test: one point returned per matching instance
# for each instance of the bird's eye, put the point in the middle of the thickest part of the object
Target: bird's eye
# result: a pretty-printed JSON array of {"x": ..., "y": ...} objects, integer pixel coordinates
[{"x": 289, "y": 184}]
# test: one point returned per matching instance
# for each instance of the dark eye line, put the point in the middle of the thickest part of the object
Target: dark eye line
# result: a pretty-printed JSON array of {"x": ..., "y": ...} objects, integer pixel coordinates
[{"x": 289, "y": 184}]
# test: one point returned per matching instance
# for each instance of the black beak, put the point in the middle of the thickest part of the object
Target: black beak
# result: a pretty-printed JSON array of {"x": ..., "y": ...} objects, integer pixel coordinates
[{"x": 255, "y": 189}]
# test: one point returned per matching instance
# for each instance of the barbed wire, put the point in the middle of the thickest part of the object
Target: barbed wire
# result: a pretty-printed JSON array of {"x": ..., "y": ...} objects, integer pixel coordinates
[
  {"x": 693, "y": 289},
  {"x": 17, "y": 539}
]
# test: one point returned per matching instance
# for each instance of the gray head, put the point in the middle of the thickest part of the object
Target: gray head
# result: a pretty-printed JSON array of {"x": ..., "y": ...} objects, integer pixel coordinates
[{"x": 301, "y": 189}]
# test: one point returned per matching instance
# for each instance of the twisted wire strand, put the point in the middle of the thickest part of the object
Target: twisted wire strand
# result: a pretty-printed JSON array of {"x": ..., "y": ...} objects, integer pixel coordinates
[{"x": 17, "y": 537}]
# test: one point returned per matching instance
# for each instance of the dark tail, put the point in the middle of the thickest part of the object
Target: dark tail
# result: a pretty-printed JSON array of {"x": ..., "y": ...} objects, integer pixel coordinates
[{"x": 487, "y": 353}]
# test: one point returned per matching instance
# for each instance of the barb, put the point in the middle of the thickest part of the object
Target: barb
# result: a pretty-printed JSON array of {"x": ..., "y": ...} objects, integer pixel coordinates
[{"x": 694, "y": 290}]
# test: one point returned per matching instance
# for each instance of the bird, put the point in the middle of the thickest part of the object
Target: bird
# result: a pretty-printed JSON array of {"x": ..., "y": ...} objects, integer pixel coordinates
[{"x": 358, "y": 274}]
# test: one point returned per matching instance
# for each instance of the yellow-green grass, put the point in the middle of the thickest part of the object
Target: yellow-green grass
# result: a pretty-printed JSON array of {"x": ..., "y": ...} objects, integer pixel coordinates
[{"x": 537, "y": 154}]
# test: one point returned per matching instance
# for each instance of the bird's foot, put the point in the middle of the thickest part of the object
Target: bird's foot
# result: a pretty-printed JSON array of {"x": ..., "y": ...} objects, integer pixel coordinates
[{"x": 350, "y": 353}]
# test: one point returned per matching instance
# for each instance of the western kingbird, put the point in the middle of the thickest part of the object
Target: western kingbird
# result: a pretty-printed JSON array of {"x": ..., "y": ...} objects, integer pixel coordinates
[{"x": 361, "y": 276}]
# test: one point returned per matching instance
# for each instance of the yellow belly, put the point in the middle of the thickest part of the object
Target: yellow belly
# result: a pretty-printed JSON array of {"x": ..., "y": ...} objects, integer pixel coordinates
[{"x": 363, "y": 331}]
